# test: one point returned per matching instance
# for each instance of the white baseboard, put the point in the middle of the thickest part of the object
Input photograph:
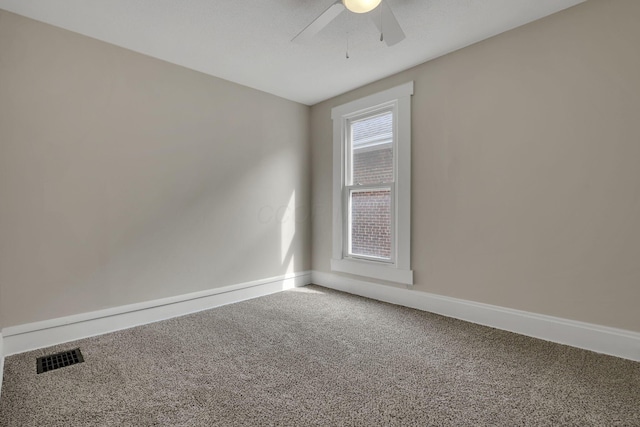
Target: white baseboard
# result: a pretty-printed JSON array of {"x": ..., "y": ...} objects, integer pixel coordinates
[
  {"x": 31, "y": 336},
  {"x": 601, "y": 339}
]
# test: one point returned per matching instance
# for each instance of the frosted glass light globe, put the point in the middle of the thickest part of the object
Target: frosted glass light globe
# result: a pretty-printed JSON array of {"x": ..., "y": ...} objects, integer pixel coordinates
[{"x": 361, "y": 6}]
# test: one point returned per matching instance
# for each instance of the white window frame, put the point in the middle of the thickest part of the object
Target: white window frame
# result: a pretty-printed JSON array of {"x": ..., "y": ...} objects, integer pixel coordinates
[{"x": 398, "y": 269}]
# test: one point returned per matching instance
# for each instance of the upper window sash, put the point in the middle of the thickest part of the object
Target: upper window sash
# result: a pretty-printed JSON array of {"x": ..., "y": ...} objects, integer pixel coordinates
[{"x": 349, "y": 150}]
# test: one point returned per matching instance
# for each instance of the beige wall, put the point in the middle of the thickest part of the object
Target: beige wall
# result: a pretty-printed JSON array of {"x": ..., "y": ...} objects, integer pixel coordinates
[
  {"x": 126, "y": 179},
  {"x": 526, "y": 168}
]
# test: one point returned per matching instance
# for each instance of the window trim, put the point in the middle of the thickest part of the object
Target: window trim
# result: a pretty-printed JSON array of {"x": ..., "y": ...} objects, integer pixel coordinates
[{"x": 399, "y": 270}]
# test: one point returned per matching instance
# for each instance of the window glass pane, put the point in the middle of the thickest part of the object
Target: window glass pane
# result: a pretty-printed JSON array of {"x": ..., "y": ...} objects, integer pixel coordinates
[
  {"x": 372, "y": 150},
  {"x": 370, "y": 223}
]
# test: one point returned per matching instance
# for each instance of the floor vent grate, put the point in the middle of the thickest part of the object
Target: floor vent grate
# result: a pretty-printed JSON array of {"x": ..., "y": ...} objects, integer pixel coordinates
[{"x": 59, "y": 360}]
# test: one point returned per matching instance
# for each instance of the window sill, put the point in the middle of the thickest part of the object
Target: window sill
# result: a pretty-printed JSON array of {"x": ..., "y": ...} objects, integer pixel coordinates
[{"x": 373, "y": 270}]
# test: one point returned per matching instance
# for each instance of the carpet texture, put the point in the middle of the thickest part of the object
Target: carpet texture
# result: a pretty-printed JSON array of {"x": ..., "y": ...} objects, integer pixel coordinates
[{"x": 313, "y": 356}]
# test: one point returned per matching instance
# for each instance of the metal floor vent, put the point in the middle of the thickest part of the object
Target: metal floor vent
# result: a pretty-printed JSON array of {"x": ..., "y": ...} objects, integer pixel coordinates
[{"x": 59, "y": 360}]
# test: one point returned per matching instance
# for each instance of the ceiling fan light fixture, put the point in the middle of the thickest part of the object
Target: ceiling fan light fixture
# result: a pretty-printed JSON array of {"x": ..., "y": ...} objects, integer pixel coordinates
[{"x": 361, "y": 6}]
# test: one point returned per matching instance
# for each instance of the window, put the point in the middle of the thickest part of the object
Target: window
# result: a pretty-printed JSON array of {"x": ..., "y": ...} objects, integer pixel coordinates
[{"x": 372, "y": 186}]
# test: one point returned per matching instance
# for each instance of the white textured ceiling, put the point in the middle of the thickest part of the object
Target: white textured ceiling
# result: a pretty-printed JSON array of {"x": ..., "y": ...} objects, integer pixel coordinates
[{"x": 248, "y": 41}]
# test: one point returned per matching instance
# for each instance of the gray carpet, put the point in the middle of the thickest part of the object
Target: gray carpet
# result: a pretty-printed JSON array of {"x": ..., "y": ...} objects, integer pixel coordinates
[{"x": 318, "y": 357}]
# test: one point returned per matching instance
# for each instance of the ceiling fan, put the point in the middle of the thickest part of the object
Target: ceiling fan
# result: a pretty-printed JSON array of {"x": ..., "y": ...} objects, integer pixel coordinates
[{"x": 390, "y": 30}]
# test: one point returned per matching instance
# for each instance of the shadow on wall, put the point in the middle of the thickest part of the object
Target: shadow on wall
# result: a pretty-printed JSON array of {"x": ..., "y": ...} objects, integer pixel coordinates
[
  {"x": 220, "y": 233},
  {"x": 158, "y": 230},
  {"x": 125, "y": 179}
]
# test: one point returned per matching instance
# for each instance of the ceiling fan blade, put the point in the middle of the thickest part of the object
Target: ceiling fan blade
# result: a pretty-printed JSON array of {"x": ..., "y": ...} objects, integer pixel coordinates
[
  {"x": 320, "y": 22},
  {"x": 389, "y": 26}
]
